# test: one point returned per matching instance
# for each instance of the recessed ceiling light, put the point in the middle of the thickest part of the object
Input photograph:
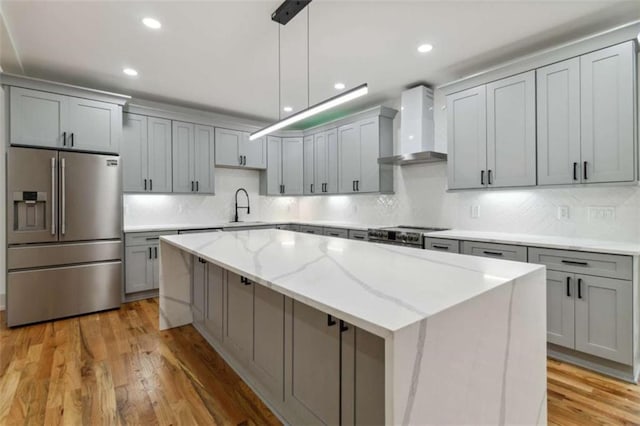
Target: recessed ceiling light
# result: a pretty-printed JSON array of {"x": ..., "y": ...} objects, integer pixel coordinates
[
  {"x": 287, "y": 109},
  {"x": 339, "y": 86},
  {"x": 130, "y": 71},
  {"x": 424, "y": 48},
  {"x": 152, "y": 23}
]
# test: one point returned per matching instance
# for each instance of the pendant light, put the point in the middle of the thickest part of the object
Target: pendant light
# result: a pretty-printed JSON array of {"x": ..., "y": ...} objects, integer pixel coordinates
[{"x": 332, "y": 102}]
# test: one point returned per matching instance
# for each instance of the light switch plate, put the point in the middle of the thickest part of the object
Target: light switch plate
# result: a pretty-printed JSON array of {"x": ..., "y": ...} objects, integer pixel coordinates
[
  {"x": 563, "y": 212},
  {"x": 475, "y": 212}
]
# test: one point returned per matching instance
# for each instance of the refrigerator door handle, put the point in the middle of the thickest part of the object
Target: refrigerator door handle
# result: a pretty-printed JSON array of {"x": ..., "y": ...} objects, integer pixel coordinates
[
  {"x": 53, "y": 195},
  {"x": 63, "y": 202}
]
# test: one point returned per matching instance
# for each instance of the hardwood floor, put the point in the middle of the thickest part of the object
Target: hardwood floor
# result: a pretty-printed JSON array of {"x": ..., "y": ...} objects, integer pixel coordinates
[{"x": 115, "y": 367}]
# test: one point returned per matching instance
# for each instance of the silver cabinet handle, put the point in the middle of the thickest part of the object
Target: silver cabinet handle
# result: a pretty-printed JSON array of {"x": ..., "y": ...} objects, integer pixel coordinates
[
  {"x": 64, "y": 195},
  {"x": 53, "y": 196}
]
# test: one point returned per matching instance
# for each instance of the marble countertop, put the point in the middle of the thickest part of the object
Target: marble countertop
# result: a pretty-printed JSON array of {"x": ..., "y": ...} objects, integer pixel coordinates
[
  {"x": 183, "y": 226},
  {"x": 563, "y": 243},
  {"x": 380, "y": 288}
]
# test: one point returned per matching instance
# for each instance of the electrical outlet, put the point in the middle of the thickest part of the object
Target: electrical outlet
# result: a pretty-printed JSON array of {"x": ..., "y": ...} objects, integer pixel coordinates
[
  {"x": 475, "y": 212},
  {"x": 563, "y": 212},
  {"x": 601, "y": 214}
]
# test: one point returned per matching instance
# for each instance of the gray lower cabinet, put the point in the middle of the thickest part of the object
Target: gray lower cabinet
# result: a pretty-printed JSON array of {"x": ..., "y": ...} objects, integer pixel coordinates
[
  {"x": 198, "y": 288},
  {"x": 442, "y": 244},
  {"x": 308, "y": 229},
  {"x": 334, "y": 372},
  {"x": 146, "y": 154},
  {"x": 289, "y": 227},
  {"x": 336, "y": 232},
  {"x": 51, "y": 120},
  {"x": 239, "y": 319},
  {"x": 193, "y": 158},
  {"x": 560, "y": 309},
  {"x": 356, "y": 234},
  {"x": 497, "y": 251},
  {"x": 139, "y": 268},
  {"x": 213, "y": 319}
]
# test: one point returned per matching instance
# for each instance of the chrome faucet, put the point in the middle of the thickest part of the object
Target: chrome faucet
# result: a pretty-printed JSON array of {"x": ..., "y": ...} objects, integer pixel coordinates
[{"x": 242, "y": 207}]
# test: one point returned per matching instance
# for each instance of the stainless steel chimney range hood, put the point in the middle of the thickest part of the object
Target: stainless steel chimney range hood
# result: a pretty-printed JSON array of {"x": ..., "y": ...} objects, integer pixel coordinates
[{"x": 416, "y": 145}]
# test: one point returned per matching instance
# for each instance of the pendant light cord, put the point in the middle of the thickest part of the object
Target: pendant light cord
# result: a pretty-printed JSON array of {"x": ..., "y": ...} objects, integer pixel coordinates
[
  {"x": 279, "y": 78},
  {"x": 308, "y": 54}
]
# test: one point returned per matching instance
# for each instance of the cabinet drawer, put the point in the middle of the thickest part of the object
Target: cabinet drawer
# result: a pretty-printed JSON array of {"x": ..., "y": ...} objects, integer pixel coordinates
[
  {"x": 354, "y": 234},
  {"x": 289, "y": 227},
  {"x": 336, "y": 232},
  {"x": 602, "y": 265},
  {"x": 441, "y": 244},
  {"x": 311, "y": 229},
  {"x": 496, "y": 251},
  {"x": 144, "y": 238}
]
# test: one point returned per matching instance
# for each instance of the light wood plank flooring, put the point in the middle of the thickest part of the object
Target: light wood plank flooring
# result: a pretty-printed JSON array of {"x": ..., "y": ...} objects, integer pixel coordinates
[{"x": 115, "y": 367}]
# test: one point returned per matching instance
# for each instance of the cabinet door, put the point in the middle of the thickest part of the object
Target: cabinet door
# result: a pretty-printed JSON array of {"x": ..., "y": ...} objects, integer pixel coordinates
[
  {"x": 467, "y": 138},
  {"x": 227, "y": 147},
  {"x": 138, "y": 268},
  {"x": 95, "y": 126},
  {"x": 134, "y": 155},
  {"x": 274, "y": 165},
  {"x": 560, "y": 308},
  {"x": 215, "y": 301},
  {"x": 331, "y": 185},
  {"x": 313, "y": 381},
  {"x": 292, "y": 166},
  {"x": 37, "y": 118},
  {"x": 349, "y": 157},
  {"x": 309, "y": 166},
  {"x": 198, "y": 289},
  {"x": 204, "y": 160},
  {"x": 362, "y": 380},
  {"x": 511, "y": 131},
  {"x": 255, "y": 152},
  {"x": 268, "y": 339},
  {"x": 369, "y": 135},
  {"x": 558, "y": 99},
  {"x": 183, "y": 157},
  {"x": 607, "y": 114},
  {"x": 159, "y": 135},
  {"x": 320, "y": 152},
  {"x": 604, "y": 318},
  {"x": 238, "y": 329}
]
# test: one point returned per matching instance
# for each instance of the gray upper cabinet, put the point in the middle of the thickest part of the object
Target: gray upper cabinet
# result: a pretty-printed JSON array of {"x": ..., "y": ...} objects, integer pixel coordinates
[
  {"x": 51, "y": 120},
  {"x": 234, "y": 149},
  {"x": 183, "y": 157},
  {"x": 193, "y": 158},
  {"x": 37, "y": 118},
  {"x": 326, "y": 161},
  {"x": 467, "y": 138},
  {"x": 292, "y": 166},
  {"x": 135, "y": 157},
  {"x": 607, "y": 114},
  {"x": 604, "y": 318},
  {"x": 360, "y": 144},
  {"x": 284, "y": 174},
  {"x": 95, "y": 126},
  {"x": 558, "y": 100},
  {"x": 227, "y": 147},
  {"x": 308, "y": 159},
  {"x": 146, "y": 154},
  {"x": 585, "y": 118},
  {"x": 271, "y": 179},
  {"x": 511, "y": 131}
]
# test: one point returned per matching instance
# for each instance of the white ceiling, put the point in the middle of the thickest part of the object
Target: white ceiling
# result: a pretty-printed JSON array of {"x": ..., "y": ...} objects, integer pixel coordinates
[{"x": 222, "y": 55}]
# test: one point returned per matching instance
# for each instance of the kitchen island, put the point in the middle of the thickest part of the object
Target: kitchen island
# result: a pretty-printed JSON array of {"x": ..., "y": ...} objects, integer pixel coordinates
[{"x": 331, "y": 331}]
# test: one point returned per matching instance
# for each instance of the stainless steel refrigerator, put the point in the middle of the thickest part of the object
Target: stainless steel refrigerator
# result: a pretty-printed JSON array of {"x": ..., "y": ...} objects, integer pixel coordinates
[{"x": 64, "y": 234}]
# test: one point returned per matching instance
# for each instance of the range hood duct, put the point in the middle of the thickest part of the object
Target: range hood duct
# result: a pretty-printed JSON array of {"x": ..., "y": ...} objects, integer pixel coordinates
[{"x": 417, "y": 141}]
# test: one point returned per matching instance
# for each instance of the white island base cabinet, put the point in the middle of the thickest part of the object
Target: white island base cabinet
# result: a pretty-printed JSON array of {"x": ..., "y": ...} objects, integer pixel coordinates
[{"x": 482, "y": 361}]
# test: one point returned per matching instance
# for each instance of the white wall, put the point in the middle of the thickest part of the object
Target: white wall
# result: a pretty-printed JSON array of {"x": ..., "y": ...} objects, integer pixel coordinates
[{"x": 145, "y": 209}]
